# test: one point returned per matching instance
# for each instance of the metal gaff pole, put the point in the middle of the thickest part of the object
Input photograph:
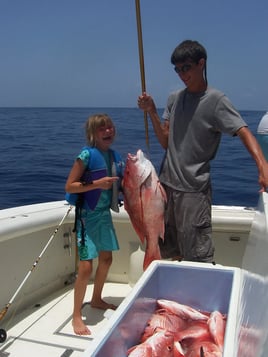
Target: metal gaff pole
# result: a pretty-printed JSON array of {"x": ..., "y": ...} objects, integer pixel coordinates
[{"x": 142, "y": 71}]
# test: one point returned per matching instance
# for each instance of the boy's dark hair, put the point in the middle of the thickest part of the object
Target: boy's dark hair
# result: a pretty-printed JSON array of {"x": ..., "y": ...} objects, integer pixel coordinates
[{"x": 189, "y": 50}]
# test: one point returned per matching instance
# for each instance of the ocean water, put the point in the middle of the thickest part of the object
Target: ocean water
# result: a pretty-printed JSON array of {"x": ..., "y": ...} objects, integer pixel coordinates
[{"x": 38, "y": 147}]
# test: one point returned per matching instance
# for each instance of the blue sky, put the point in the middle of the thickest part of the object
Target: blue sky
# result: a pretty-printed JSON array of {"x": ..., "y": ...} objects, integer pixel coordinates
[{"x": 85, "y": 52}]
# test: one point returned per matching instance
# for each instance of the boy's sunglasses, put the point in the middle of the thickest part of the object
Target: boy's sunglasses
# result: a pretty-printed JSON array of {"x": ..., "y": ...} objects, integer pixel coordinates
[{"x": 183, "y": 69}]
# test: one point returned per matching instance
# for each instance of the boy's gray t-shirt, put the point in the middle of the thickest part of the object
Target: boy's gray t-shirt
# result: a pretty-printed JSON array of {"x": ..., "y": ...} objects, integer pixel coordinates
[{"x": 197, "y": 122}]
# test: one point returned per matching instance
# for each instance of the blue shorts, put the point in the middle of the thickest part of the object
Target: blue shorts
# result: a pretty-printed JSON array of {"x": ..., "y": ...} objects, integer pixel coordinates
[{"x": 99, "y": 234}]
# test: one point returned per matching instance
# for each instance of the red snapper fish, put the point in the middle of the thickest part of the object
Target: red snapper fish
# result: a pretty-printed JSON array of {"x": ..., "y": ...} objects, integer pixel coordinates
[
  {"x": 203, "y": 348},
  {"x": 184, "y": 311},
  {"x": 216, "y": 325},
  {"x": 159, "y": 344},
  {"x": 163, "y": 320},
  {"x": 144, "y": 201}
]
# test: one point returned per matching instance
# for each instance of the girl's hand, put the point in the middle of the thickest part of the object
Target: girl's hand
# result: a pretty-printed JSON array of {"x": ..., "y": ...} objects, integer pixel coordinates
[{"x": 106, "y": 183}]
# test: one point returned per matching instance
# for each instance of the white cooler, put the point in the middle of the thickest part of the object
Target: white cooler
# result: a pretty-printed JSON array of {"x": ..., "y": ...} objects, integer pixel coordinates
[{"x": 203, "y": 286}]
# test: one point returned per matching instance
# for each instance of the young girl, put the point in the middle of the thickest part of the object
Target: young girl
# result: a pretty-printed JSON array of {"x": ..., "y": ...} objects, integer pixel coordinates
[{"x": 95, "y": 232}]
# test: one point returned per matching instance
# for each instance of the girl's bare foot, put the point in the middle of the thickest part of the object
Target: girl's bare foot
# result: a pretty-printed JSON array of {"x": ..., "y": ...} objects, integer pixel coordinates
[
  {"x": 101, "y": 304},
  {"x": 79, "y": 327}
]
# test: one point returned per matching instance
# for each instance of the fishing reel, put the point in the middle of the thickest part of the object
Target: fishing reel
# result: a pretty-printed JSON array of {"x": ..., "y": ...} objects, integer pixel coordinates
[{"x": 3, "y": 335}]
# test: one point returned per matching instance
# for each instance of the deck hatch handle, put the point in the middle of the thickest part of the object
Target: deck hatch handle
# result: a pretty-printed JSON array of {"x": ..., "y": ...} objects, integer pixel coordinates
[{"x": 235, "y": 239}]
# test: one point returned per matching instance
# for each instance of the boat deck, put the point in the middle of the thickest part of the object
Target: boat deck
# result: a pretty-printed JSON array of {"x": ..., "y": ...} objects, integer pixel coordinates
[{"x": 46, "y": 329}]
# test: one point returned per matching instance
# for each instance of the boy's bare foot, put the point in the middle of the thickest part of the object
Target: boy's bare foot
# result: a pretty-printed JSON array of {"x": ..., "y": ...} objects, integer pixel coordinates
[
  {"x": 79, "y": 327},
  {"x": 102, "y": 305}
]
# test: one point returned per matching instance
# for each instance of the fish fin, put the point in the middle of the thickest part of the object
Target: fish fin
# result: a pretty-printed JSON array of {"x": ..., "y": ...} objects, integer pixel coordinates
[
  {"x": 151, "y": 256},
  {"x": 162, "y": 190},
  {"x": 138, "y": 230}
]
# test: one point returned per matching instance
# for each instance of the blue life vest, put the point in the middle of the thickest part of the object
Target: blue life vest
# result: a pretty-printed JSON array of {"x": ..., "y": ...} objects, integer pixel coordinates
[{"x": 96, "y": 169}]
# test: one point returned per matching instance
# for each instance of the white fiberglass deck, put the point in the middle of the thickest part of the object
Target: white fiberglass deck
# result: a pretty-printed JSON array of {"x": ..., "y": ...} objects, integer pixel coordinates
[{"x": 46, "y": 330}]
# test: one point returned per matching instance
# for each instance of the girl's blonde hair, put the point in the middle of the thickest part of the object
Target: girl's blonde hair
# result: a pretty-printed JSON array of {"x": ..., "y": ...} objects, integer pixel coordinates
[{"x": 93, "y": 123}]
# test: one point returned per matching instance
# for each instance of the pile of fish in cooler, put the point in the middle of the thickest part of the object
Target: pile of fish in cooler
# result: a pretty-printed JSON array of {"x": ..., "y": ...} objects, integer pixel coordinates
[{"x": 181, "y": 331}]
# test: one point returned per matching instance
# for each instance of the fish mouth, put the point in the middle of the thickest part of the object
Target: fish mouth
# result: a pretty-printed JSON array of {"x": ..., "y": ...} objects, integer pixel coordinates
[
  {"x": 135, "y": 157},
  {"x": 132, "y": 158}
]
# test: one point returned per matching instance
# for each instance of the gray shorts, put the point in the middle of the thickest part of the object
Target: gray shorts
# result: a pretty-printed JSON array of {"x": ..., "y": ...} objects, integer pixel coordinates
[{"x": 188, "y": 231}]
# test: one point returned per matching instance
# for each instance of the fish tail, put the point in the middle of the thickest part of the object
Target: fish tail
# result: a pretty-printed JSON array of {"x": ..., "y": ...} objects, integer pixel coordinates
[{"x": 151, "y": 256}]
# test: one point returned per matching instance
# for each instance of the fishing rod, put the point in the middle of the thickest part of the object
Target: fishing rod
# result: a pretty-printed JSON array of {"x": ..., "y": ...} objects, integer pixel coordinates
[
  {"x": 142, "y": 71},
  {"x": 7, "y": 306}
]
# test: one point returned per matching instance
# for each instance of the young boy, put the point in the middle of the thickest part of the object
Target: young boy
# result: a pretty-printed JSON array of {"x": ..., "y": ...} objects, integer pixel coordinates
[{"x": 195, "y": 119}]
